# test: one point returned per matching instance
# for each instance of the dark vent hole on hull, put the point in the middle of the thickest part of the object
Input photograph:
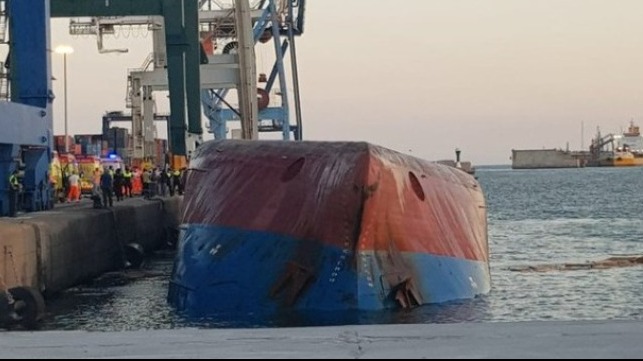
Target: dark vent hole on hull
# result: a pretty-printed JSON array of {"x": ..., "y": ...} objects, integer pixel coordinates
[
  {"x": 293, "y": 170},
  {"x": 417, "y": 186}
]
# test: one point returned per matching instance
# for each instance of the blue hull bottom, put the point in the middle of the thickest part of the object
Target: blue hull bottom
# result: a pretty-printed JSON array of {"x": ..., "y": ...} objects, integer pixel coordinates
[{"x": 224, "y": 271}]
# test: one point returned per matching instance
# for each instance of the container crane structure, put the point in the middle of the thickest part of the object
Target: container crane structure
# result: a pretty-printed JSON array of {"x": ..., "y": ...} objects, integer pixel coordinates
[
  {"x": 233, "y": 68},
  {"x": 26, "y": 113},
  {"x": 181, "y": 66},
  {"x": 281, "y": 21},
  {"x": 180, "y": 22},
  {"x": 26, "y": 120}
]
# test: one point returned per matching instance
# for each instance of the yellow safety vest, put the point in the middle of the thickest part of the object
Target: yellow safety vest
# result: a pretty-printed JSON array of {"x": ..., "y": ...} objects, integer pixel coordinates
[
  {"x": 127, "y": 175},
  {"x": 13, "y": 182}
]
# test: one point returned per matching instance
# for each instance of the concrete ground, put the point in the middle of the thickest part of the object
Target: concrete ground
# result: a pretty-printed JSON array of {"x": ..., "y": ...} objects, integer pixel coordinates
[{"x": 609, "y": 339}]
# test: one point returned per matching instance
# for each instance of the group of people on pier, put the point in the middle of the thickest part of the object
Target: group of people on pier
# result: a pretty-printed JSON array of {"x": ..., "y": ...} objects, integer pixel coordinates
[
  {"x": 107, "y": 184},
  {"x": 120, "y": 183}
]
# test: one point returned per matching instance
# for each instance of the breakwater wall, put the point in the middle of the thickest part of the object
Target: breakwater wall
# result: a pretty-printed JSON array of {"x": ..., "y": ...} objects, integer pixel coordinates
[{"x": 52, "y": 251}]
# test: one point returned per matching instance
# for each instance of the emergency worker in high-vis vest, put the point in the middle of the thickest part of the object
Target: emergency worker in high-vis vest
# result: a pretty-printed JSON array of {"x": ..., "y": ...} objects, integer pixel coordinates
[
  {"x": 14, "y": 193},
  {"x": 127, "y": 179}
]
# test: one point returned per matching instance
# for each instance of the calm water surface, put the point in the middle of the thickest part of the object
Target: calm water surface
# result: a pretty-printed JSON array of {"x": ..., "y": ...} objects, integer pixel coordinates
[{"x": 535, "y": 217}]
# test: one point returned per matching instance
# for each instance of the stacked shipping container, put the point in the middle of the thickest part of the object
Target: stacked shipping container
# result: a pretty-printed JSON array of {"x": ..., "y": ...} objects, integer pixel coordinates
[
  {"x": 115, "y": 141},
  {"x": 90, "y": 144}
]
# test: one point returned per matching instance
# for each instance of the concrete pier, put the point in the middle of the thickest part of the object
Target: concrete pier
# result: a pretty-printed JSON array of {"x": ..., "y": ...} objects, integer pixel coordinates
[
  {"x": 52, "y": 251},
  {"x": 580, "y": 340}
]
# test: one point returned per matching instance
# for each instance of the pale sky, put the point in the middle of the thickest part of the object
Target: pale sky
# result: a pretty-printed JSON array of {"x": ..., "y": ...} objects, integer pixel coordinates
[{"x": 425, "y": 76}]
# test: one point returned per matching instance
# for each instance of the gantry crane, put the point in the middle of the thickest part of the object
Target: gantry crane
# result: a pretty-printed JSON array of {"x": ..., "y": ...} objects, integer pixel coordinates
[
  {"x": 240, "y": 27},
  {"x": 26, "y": 116},
  {"x": 281, "y": 22},
  {"x": 26, "y": 139},
  {"x": 181, "y": 25},
  {"x": 26, "y": 120}
]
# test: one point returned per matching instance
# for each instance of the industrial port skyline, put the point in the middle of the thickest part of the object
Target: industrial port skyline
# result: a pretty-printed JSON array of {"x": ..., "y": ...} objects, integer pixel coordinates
[{"x": 486, "y": 78}]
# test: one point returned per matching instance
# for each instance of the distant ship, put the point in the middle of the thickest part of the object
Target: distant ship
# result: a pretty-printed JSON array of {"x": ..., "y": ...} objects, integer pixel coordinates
[
  {"x": 612, "y": 150},
  {"x": 271, "y": 227},
  {"x": 624, "y": 150}
]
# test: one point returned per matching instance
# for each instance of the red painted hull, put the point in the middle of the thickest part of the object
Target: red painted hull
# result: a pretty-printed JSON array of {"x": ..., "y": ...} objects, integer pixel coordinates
[
  {"x": 423, "y": 207},
  {"x": 259, "y": 186}
]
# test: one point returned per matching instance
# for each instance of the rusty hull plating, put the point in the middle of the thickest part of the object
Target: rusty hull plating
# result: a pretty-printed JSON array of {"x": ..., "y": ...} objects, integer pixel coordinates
[{"x": 270, "y": 226}]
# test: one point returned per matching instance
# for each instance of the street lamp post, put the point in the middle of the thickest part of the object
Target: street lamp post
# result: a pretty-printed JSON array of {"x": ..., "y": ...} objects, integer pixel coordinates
[{"x": 64, "y": 50}]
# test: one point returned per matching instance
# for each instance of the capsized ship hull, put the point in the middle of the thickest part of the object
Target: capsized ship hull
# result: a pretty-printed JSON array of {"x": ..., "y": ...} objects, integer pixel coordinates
[{"x": 318, "y": 226}]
